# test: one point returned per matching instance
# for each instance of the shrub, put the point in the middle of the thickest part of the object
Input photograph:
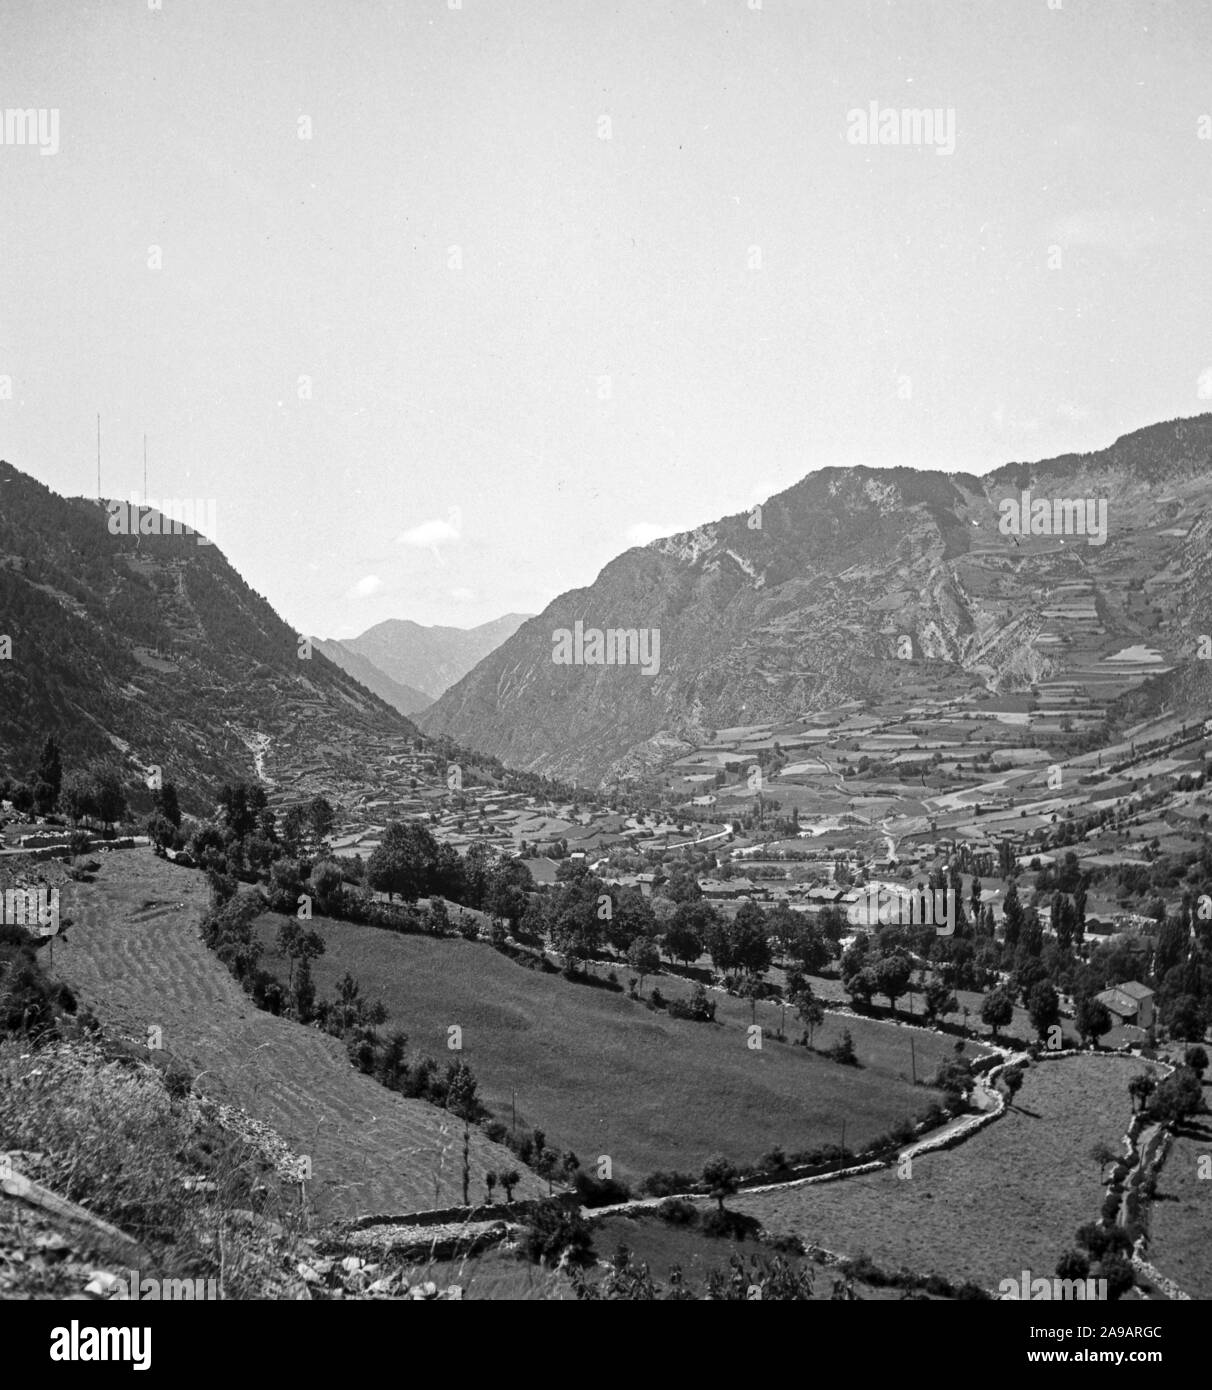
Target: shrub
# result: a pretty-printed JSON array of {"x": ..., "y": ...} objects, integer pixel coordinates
[
  {"x": 787, "y": 1244},
  {"x": 842, "y": 1051},
  {"x": 731, "y": 1225},
  {"x": 556, "y": 1231},
  {"x": 1073, "y": 1264},
  {"x": 902, "y": 1132},
  {"x": 666, "y": 1184},
  {"x": 600, "y": 1192},
  {"x": 678, "y": 1212},
  {"x": 971, "y": 1292},
  {"x": 1118, "y": 1273}
]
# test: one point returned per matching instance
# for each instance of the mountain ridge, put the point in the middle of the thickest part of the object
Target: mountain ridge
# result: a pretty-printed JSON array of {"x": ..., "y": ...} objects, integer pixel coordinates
[
  {"x": 806, "y": 601},
  {"x": 152, "y": 650},
  {"x": 430, "y": 659}
]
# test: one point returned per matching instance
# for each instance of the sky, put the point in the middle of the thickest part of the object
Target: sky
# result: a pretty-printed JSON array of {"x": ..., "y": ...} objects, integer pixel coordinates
[{"x": 444, "y": 305}]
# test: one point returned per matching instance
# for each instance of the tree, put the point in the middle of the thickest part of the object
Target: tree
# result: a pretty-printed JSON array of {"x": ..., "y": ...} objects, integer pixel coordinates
[
  {"x": 165, "y": 801},
  {"x": 296, "y": 944},
  {"x": 48, "y": 778},
  {"x": 159, "y": 831},
  {"x": 1012, "y": 1079},
  {"x": 109, "y": 793},
  {"x": 461, "y": 1091},
  {"x": 402, "y": 861},
  {"x": 810, "y": 1010},
  {"x": 293, "y": 831},
  {"x": 893, "y": 974},
  {"x": 320, "y": 819},
  {"x": 1185, "y": 1019},
  {"x": 997, "y": 1009},
  {"x": 1073, "y": 1264},
  {"x": 1043, "y": 1005},
  {"x": 682, "y": 886},
  {"x": 631, "y": 918},
  {"x": 1140, "y": 1088},
  {"x": 303, "y": 996},
  {"x": 722, "y": 1178},
  {"x": 812, "y": 948},
  {"x": 1101, "y": 1154},
  {"x": 862, "y": 985},
  {"x": 643, "y": 957},
  {"x": 750, "y": 942},
  {"x": 1092, "y": 1018},
  {"x": 684, "y": 935},
  {"x": 1179, "y": 1096},
  {"x": 328, "y": 886},
  {"x": 1197, "y": 1059},
  {"x": 1119, "y": 1274},
  {"x": 939, "y": 1000},
  {"x": 509, "y": 1180},
  {"x": 556, "y": 1233},
  {"x": 843, "y": 1050},
  {"x": 1012, "y": 915},
  {"x": 437, "y": 918}
]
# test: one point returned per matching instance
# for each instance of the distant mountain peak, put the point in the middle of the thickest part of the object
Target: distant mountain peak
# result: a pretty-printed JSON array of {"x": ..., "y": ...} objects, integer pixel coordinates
[{"x": 430, "y": 659}]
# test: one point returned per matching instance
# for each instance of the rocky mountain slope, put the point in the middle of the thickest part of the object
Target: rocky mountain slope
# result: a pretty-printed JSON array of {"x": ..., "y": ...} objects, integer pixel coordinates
[
  {"x": 823, "y": 594},
  {"x": 151, "y": 649},
  {"x": 430, "y": 659},
  {"x": 407, "y": 699}
]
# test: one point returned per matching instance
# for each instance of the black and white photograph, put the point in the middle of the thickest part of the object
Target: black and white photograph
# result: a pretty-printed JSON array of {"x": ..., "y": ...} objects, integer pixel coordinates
[{"x": 605, "y": 669}]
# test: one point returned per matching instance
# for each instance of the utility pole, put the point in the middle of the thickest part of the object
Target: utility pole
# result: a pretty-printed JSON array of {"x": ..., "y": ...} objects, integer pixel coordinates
[{"x": 913, "y": 1058}]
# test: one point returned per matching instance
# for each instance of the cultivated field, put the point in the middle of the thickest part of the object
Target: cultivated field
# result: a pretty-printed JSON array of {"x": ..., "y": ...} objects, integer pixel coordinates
[
  {"x": 1180, "y": 1216},
  {"x": 135, "y": 955},
  {"x": 601, "y": 1074},
  {"x": 1008, "y": 1199}
]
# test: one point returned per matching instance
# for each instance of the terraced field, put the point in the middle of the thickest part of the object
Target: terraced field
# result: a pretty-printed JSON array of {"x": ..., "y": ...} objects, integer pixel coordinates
[
  {"x": 1008, "y": 1199},
  {"x": 601, "y": 1074},
  {"x": 134, "y": 955}
]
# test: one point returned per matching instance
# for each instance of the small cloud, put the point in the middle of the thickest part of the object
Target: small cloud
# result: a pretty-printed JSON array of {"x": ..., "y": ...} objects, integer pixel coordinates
[
  {"x": 431, "y": 534},
  {"x": 365, "y": 588},
  {"x": 1203, "y": 387}
]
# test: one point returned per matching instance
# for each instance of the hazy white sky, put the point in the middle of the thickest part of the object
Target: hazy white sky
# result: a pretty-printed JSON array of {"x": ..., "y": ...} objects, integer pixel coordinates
[{"x": 613, "y": 360}]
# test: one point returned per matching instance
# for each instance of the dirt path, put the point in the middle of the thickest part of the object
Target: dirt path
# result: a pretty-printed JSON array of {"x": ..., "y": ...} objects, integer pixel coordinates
[{"x": 135, "y": 956}]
